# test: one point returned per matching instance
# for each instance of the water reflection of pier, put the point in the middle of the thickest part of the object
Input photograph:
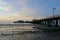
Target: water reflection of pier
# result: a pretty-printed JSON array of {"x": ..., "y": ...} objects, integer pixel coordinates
[{"x": 50, "y": 21}]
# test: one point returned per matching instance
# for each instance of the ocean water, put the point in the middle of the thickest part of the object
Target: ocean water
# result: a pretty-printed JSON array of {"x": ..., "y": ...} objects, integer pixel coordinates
[{"x": 25, "y": 31}]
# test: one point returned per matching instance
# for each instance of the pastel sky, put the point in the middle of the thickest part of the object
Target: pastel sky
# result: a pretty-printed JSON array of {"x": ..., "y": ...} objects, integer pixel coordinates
[{"x": 12, "y": 10}]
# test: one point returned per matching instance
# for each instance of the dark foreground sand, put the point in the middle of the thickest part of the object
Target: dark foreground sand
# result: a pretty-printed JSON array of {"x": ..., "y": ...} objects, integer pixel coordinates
[{"x": 31, "y": 36}]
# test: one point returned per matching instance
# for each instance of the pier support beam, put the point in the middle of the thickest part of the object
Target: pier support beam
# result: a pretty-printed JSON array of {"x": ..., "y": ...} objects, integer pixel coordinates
[
  {"x": 56, "y": 22},
  {"x": 47, "y": 23}
]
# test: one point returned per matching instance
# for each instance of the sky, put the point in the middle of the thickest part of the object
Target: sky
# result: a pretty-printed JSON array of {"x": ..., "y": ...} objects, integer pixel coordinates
[{"x": 12, "y": 10}]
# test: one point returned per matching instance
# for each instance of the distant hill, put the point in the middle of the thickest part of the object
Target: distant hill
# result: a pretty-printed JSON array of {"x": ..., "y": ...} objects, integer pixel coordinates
[{"x": 19, "y": 21}]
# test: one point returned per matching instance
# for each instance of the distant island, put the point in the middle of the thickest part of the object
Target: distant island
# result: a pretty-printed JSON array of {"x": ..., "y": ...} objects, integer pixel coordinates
[{"x": 21, "y": 21}]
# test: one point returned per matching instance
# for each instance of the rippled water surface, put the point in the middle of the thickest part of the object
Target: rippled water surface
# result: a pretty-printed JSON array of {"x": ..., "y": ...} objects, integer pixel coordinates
[{"x": 23, "y": 32}]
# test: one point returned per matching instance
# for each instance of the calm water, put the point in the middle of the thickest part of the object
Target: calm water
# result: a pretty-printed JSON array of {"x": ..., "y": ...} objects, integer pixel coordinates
[{"x": 9, "y": 28}]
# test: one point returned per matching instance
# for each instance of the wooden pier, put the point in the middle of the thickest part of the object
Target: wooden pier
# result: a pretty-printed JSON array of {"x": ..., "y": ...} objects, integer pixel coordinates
[{"x": 50, "y": 21}]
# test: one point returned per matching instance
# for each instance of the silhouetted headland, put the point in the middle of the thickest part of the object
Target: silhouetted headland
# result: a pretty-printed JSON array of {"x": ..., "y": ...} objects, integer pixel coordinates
[
  {"x": 22, "y": 21},
  {"x": 19, "y": 21}
]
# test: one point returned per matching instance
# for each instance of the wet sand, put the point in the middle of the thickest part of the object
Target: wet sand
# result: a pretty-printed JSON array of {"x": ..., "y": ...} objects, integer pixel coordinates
[{"x": 26, "y": 33}]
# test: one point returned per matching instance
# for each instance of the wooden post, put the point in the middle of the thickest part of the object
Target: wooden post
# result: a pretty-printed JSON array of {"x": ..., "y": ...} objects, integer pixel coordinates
[
  {"x": 48, "y": 22},
  {"x": 56, "y": 22},
  {"x": 45, "y": 23}
]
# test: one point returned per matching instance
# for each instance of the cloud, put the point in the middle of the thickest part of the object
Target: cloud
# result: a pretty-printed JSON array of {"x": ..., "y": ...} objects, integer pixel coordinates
[
  {"x": 19, "y": 16},
  {"x": 19, "y": 2},
  {"x": 26, "y": 11},
  {"x": 22, "y": 14},
  {"x": 5, "y": 9},
  {"x": 4, "y": 6}
]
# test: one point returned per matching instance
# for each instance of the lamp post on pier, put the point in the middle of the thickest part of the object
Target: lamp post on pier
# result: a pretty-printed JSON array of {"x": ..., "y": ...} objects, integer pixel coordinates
[{"x": 54, "y": 11}]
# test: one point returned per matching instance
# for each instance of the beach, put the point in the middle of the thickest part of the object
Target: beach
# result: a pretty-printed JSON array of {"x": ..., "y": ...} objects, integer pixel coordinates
[{"x": 26, "y": 32}]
